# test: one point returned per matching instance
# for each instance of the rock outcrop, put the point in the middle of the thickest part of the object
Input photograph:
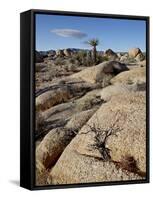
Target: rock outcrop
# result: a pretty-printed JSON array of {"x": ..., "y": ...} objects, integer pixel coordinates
[
  {"x": 56, "y": 94},
  {"x": 90, "y": 121},
  {"x": 79, "y": 119},
  {"x": 89, "y": 100},
  {"x": 51, "y": 53},
  {"x": 51, "y": 98},
  {"x": 59, "y": 115},
  {"x": 39, "y": 57},
  {"x": 135, "y": 75},
  {"x": 101, "y": 73},
  {"x": 68, "y": 52},
  {"x": 134, "y": 52},
  {"x": 113, "y": 90},
  {"x": 142, "y": 63},
  {"x": 111, "y": 55},
  {"x": 40, "y": 67},
  {"x": 53, "y": 144},
  {"x": 131, "y": 140},
  {"x": 124, "y": 58},
  {"x": 137, "y": 54},
  {"x": 73, "y": 168},
  {"x": 60, "y": 53},
  {"x": 140, "y": 57},
  {"x": 84, "y": 161}
]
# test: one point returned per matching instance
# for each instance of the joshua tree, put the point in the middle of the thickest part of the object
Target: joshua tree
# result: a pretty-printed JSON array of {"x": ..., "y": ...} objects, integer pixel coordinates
[{"x": 93, "y": 42}]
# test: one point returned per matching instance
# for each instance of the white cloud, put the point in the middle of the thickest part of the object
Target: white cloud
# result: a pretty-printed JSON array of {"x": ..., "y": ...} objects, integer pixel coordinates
[{"x": 69, "y": 33}]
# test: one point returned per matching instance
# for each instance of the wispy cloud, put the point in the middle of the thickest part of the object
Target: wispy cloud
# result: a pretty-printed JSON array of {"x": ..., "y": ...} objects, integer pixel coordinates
[{"x": 69, "y": 33}]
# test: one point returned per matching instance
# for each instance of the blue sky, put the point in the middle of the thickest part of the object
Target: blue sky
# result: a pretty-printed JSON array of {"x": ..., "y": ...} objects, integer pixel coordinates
[{"x": 59, "y": 32}]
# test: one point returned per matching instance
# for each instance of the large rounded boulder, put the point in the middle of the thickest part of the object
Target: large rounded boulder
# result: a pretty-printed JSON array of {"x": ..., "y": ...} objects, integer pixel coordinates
[
  {"x": 68, "y": 52},
  {"x": 51, "y": 98},
  {"x": 60, "y": 53},
  {"x": 101, "y": 73},
  {"x": 113, "y": 90},
  {"x": 136, "y": 75},
  {"x": 75, "y": 168},
  {"x": 79, "y": 119},
  {"x": 134, "y": 52},
  {"x": 126, "y": 124},
  {"x": 51, "y": 53},
  {"x": 51, "y": 147},
  {"x": 110, "y": 147},
  {"x": 89, "y": 100},
  {"x": 53, "y": 144}
]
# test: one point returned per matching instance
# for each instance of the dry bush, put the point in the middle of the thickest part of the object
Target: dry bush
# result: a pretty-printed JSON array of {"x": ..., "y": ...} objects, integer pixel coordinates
[
  {"x": 100, "y": 139},
  {"x": 59, "y": 61}
]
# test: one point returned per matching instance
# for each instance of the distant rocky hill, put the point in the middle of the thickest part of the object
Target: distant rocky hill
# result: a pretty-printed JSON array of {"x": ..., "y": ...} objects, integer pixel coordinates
[{"x": 75, "y": 50}]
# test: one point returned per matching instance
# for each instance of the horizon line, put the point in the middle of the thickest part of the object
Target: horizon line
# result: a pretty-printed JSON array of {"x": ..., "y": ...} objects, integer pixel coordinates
[{"x": 89, "y": 49}]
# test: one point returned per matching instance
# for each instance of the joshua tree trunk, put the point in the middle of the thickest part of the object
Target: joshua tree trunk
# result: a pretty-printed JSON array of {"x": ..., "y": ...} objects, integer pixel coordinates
[
  {"x": 93, "y": 43},
  {"x": 94, "y": 54}
]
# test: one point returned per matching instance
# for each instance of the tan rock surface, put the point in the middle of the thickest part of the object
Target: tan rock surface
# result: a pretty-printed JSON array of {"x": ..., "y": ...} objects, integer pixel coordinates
[
  {"x": 60, "y": 53},
  {"x": 131, "y": 139},
  {"x": 140, "y": 57},
  {"x": 113, "y": 90},
  {"x": 80, "y": 162},
  {"x": 89, "y": 100},
  {"x": 134, "y": 52},
  {"x": 73, "y": 167},
  {"x": 79, "y": 119},
  {"x": 135, "y": 75},
  {"x": 67, "y": 52},
  {"x": 142, "y": 63},
  {"x": 53, "y": 97},
  {"x": 99, "y": 72},
  {"x": 57, "y": 139},
  {"x": 52, "y": 146}
]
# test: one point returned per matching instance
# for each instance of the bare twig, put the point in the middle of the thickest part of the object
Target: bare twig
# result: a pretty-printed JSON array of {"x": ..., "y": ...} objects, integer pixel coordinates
[{"x": 101, "y": 136}]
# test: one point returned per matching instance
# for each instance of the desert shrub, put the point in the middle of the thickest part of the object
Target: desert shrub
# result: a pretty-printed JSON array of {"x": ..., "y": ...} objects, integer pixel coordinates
[
  {"x": 81, "y": 57},
  {"x": 59, "y": 61},
  {"x": 100, "y": 138},
  {"x": 130, "y": 60},
  {"x": 101, "y": 59},
  {"x": 89, "y": 60},
  {"x": 71, "y": 67},
  {"x": 85, "y": 58},
  {"x": 72, "y": 60},
  {"x": 75, "y": 59},
  {"x": 105, "y": 58}
]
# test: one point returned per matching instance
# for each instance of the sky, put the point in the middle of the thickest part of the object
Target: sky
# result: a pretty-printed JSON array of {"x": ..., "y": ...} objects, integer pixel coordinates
[{"x": 60, "y": 32}]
